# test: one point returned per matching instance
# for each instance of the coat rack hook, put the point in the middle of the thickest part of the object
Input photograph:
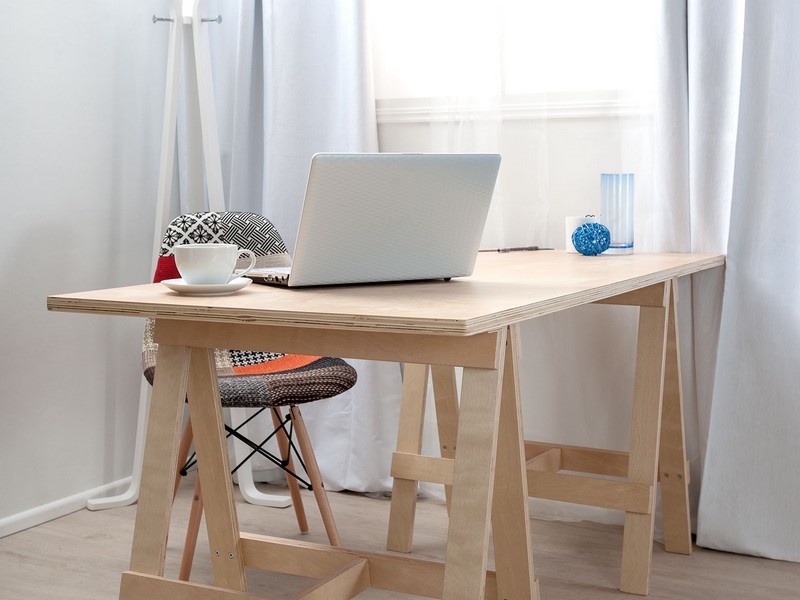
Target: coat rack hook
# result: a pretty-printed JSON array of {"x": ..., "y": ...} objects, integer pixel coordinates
[
  {"x": 159, "y": 19},
  {"x": 218, "y": 20}
]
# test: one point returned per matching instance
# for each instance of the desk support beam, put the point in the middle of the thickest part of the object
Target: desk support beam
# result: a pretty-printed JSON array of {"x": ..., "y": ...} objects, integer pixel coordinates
[
  {"x": 482, "y": 350},
  {"x": 160, "y": 454},
  {"x": 648, "y": 388},
  {"x": 445, "y": 396},
  {"x": 674, "y": 471},
  {"x": 657, "y": 451},
  {"x": 512, "y": 543},
  {"x": 214, "y": 471},
  {"x": 508, "y": 494},
  {"x": 409, "y": 441},
  {"x": 473, "y": 482}
]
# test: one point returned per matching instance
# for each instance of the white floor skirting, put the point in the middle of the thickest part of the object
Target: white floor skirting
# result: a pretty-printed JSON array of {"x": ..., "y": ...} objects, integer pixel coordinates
[{"x": 58, "y": 508}]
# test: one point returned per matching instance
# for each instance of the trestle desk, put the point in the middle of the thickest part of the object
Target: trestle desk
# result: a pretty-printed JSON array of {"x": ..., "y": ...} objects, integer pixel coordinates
[{"x": 489, "y": 468}]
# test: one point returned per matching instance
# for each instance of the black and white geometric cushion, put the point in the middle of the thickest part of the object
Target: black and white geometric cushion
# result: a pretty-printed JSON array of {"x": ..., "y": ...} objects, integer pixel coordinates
[{"x": 247, "y": 230}]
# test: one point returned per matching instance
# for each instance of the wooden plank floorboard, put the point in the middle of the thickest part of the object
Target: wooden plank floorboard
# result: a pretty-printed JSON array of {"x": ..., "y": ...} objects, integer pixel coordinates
[{"x": 81, "y": 556}]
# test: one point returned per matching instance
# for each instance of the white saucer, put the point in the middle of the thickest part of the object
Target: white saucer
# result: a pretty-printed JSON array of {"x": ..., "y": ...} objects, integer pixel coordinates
[{"x": 211, "y": 289}]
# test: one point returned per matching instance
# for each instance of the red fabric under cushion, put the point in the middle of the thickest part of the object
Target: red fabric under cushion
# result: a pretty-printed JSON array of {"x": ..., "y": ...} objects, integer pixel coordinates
[{"x": 166, "y": 269}]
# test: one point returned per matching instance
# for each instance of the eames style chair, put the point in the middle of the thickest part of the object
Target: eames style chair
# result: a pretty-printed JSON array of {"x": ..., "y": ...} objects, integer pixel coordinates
[{"x": 254, "y": 380}]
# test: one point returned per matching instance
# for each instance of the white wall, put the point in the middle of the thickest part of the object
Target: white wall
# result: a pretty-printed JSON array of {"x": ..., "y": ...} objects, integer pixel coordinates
[{"x": 81, "y": 103}]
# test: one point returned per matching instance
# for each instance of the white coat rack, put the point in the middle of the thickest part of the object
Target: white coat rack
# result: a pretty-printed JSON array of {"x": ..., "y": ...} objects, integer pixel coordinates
[{"x": 188, "y": 44}]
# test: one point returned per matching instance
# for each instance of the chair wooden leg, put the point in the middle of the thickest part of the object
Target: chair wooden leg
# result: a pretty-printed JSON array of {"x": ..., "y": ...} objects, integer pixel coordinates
[
  {"x": 196, "y": 513},
  {"x": 312, "y": 469},
  {"x": 286, "y": 455},
  {"x": 192, "y": 530}
]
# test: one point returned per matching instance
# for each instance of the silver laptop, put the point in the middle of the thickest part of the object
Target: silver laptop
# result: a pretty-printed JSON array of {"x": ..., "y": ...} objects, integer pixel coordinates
[{"x": 389, "y": 217}]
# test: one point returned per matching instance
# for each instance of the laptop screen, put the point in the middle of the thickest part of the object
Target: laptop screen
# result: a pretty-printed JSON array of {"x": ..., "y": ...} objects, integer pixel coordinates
[{"x": 392, "y": 217}]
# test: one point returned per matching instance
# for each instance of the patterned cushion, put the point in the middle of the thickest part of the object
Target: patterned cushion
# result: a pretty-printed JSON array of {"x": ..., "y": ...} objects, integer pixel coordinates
[
  {"x": 323, "y": 377},
  {"x": 246, "y": 230}
]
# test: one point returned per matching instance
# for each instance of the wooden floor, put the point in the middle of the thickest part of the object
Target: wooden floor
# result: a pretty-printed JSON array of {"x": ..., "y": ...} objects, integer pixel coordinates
[{"x": 81, "y": 556}]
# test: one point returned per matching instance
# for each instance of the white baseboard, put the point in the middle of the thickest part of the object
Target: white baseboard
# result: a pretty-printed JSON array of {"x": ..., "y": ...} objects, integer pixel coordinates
[{"x": 58, "y": 508}]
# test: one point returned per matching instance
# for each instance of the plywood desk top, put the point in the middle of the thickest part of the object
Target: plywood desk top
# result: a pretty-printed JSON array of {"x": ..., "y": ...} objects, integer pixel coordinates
[{"x": 505, "y": 288}]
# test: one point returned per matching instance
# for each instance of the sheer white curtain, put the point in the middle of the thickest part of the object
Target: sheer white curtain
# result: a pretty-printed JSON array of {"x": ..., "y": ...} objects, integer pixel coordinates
[
  {"x": 739, "y": 142},
  {"x": 292, "y": 79},
  {"x": 563, "y": 91}
]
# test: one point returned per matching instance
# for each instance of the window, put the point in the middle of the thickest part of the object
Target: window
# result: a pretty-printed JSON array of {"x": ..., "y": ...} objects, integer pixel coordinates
[
  {"x": 562, "y": 89},
  {"x": 580, "y": 54}
]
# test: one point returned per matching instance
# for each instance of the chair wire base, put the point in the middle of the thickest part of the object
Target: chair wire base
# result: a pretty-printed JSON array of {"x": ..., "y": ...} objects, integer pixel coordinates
[{"x": 286, "y": 428}]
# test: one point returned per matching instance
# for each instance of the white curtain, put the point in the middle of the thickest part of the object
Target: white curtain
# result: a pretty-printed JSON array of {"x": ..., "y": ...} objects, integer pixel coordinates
[
  {"x": 498, "y": 85},
  {"x": 738, "y": 139},
  {"x": 292, "y": 79},
  {"x": 717, "y": 177}
]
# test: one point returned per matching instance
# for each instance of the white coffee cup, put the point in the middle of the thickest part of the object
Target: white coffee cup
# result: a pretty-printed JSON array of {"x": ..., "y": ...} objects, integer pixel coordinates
[{"x": 209, "y": 264}]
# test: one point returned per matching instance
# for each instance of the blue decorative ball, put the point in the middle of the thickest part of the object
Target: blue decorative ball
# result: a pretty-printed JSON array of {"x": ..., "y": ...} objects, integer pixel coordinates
[{"x": 591, "y": 239}]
